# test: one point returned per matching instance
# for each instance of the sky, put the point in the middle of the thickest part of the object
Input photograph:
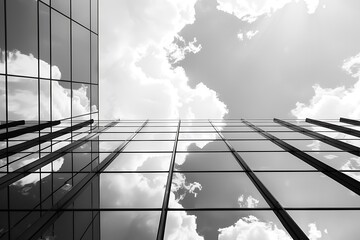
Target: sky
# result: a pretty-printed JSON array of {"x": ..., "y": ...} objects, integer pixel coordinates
[{"x": 229, "y": 58}]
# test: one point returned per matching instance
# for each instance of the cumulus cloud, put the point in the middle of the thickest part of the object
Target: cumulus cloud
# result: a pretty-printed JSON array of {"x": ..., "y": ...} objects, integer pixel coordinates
[
  {"x": 334, "y": 102},
  {"x": 23, "y": 93},
  {"x": 181, "y": 226},
  {"x": 251, "y": 228},
  {"x": 247, "y": 35},
  {"x": 352, "y": 164},
  {"x": 249, "y": 202},
  {"x": 181, "y": 187},
  {"x": 136, "y": 75},
  {"x": 34, "y": 177},
  {"x": 314, "y": 233},
  {"x": 250, "y": 10},
  {"x": 177, "y": 50}
]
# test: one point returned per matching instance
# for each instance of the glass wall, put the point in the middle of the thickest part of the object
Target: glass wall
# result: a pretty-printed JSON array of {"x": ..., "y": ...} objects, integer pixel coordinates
[{"x": 188, "y": 179}]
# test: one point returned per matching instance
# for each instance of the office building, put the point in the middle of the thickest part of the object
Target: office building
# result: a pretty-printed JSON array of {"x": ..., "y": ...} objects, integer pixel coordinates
[{"x": 65, "y": 174}]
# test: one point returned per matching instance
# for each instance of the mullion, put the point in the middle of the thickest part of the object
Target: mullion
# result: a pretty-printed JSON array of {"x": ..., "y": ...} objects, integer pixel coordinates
[
  {"x": 293, "y": 229},
  {"x": 334, "y": 174},
  {"x": 165, "y": 205}
]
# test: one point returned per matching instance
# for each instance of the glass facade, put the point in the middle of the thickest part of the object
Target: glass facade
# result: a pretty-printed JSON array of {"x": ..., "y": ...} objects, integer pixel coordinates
[
  {"x": 48, "y": 60},
  {"x": 65, "y": 174},
  {"x": 185, "y": 179}
]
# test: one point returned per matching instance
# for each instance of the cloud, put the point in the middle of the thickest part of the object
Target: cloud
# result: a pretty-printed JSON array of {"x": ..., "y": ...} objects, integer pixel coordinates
[
  {"x": 352, "y": 164},
  {"x": 23, "y": 93},
  {"x": 250, "y": 10},
  {"x": 250, "y": 228},
  {"x": 177, "y": 53},
  {"x": 136, "y": 76},
  {"x": 181, "y": 187},
  {"x": 248, "y": 35},
  {"x": 249, "y": 202},
  {"x": 314, "y": 233},
  {"x": 334, "y": 102},
  {"x": 35, "y": 177},
  {"x": 181, "y": 226}
]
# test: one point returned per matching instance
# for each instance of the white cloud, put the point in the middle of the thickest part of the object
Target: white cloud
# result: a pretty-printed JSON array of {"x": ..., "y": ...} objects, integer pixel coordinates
[
  {"x": 314, "y": 233},
  {"x": 352, "y": 65},
  {"x": 352, "y": 164},
  {"x": 136, "y": 76},
  {"x": 23, "y": 94},
  {"x": 247, "y": 35},
  {"x": 177, "y": 53},
  {"x": 250, "y": 10},
  {"x": 250, "y": 228},
  {"x": 179, "y": 184},
  {"x": 312, "y": 5},
  {"x": 35, "y": 177},
  {"x": 334, "y": 102},
  {"x": 181, "y": 226},
  {"x": 249, "y": 202}
]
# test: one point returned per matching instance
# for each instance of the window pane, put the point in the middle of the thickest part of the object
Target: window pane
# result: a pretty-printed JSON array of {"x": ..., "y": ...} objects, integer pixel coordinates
[
  {"x": 259, "y": 225},
  {"x": 94, "y": 98},
  {"x": 202, "y": 146},
  {"x": 44, "y": 41},
  {"x": 215, "y": 190},
  {"x": 308, "y": 189},
  {"x": 81, "y": 53},
  {"x": 330, "y": 224},
  {"x": 62, "y": 6},
  {"x": 264, "y": 145},
  {"x": 94, "y": 16},
  {"x": 141, "y": 162},
  {"x": 2, "y": 38},
  {"x": 60, "y": 37},
  {"x": 81, "y": 11},
  {"x": 155, "y": 136},
  {"x": 143, "y": 146},
  {"x": 22, "y": 37},
  {"x": 61, "y": 101},
  {"x": 2, "y": 99},
  {"x": 274, "y": 161},
  {"x": 206, "y": 162},
  {"x": 129, "y": 225},
  {"x": 94, "y": 59},
  {"x": 22, "y": 98},
  {"x": 132, "y": 190},
  {"x": 80, "y": 99},
  {"x": 45, "y": 100}
]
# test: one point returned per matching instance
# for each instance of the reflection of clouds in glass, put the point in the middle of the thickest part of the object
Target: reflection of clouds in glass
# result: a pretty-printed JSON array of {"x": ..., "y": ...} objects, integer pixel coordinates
[
  {"x": 181, "y": 226},
  {"x": 34, "y": 178},
  {"x": 180, "y": 186},
  {"x": 314, "y": 233},
  {"x": 250, "y": 228},
  {"x": 249, "y": 202},
  {"x": 24, "y": 96},
  {"x": 125, "y": 225},
  {"x": 352, "y": 164},
  {"x": 132, "y": 190}
]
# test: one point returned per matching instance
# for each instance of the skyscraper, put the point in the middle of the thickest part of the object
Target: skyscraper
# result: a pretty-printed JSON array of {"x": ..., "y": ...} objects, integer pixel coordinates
[{"x": 64, "y": 174}]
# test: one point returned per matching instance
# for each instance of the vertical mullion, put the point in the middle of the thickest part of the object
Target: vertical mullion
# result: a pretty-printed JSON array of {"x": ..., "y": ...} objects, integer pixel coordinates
[
  {"x": 317, "y": 136},
  {"x": 164, "y": 209},
  {"x": 293, "y": 229}
]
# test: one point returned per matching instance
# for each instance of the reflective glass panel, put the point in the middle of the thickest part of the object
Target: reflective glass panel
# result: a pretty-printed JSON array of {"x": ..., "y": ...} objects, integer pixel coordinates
[
  {"x": 81, "y": 12},
  {"x": 255, "y": 145},
  {"x": 132, "y": 190},
  {"x": 60, "y": 45},
  {"x": 141, "y": 162},
  {"x": 144, "y": 146},
  {"x": 202, "y": 146},
  {"x": 206, "y": 190},
  {"x": 129, "y": 225},
  {"x": 308, "y": 189},
  {"x": 200, "y": 161},
  {"x": 224, "y": 225},
  {"x": 80, "y": 54}
]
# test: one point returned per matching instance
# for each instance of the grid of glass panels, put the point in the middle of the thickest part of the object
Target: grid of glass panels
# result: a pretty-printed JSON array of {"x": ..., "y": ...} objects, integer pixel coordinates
[
  {"x": 48, "y": 60},
  {"x": 192, "y": 179}
]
